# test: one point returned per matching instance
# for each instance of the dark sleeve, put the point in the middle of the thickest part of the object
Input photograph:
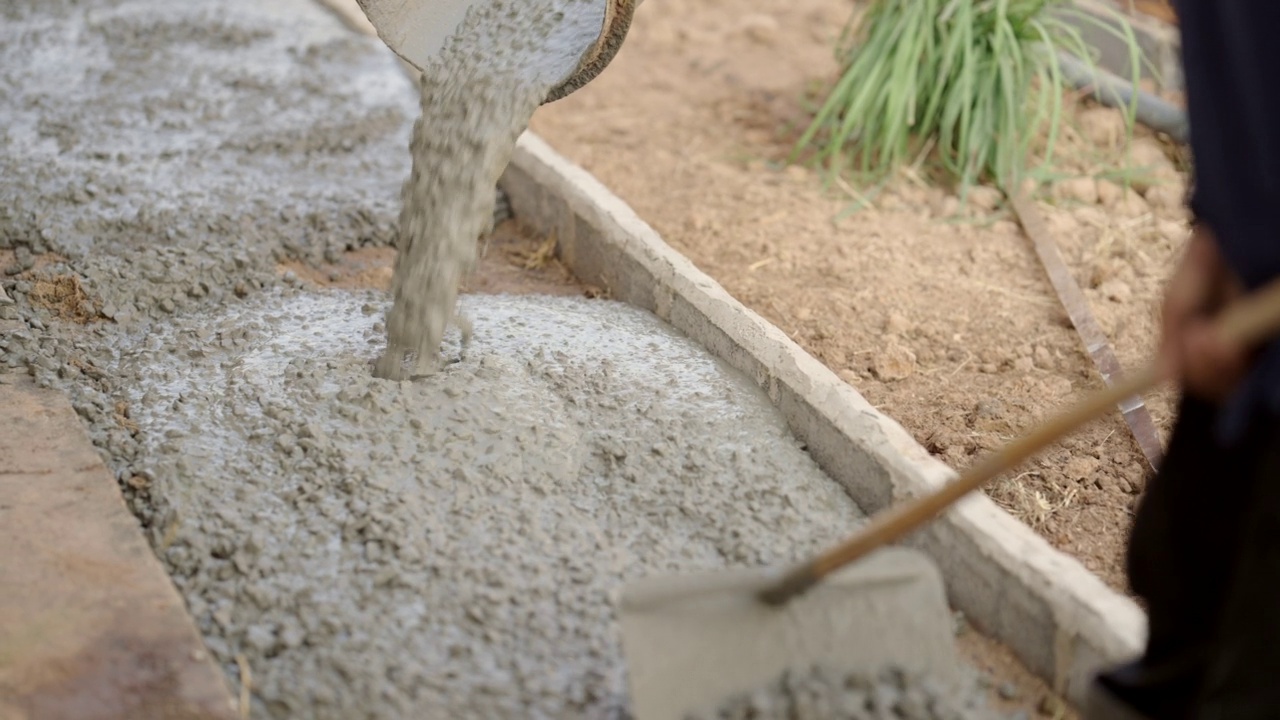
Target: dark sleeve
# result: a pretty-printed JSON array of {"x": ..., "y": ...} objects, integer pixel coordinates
[{"x": 1231, "y": 60}]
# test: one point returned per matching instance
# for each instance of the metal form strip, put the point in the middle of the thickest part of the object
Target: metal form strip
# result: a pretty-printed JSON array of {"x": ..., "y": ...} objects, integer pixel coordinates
[{"x": 1134, "y": 410}]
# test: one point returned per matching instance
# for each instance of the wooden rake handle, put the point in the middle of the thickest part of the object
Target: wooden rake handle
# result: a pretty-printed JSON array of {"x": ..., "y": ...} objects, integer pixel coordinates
[{"x": 1248, "y": 321}]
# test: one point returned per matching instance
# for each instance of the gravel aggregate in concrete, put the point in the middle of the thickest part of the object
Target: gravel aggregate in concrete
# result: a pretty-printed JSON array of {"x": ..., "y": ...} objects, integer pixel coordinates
[
  {"x": 818, "y": 693},
  {"x": 163, "y": 158},
  {"x": 174, "y": 153},
  {"x": 451, "y": 543}
]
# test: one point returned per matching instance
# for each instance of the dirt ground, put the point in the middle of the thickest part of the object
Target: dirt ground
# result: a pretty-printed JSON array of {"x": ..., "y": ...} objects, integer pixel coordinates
[
  {"x": 945, "y": 320},
  {"x": 512, "y": 260}
]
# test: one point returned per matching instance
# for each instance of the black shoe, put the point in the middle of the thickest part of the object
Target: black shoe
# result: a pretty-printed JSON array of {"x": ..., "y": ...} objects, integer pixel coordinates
[
  {"x": 1104, "y": 703},
  {"x": 1138, "y": 691}
]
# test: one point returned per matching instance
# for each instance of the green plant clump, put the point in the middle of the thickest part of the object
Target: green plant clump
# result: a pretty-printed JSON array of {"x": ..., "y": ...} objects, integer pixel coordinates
[{"x": 977, "y": 80}]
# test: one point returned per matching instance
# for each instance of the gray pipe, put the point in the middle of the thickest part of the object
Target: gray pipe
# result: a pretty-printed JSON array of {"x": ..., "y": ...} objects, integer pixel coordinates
[{"x": 1112, "y": 91}]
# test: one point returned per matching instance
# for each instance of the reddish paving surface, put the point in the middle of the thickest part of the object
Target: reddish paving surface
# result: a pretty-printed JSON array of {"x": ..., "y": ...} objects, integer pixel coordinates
[{"x": 90, "y": 626}]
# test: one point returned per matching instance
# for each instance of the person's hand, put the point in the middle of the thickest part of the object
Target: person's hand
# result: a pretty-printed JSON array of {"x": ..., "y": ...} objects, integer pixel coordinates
[{"x": 1192, "y": 351}]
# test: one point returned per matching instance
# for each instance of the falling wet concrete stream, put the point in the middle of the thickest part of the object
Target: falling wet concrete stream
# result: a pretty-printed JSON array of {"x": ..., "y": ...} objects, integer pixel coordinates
[
  {"x": 448, "y": 547},
  {"x": 477, "y": 96}
]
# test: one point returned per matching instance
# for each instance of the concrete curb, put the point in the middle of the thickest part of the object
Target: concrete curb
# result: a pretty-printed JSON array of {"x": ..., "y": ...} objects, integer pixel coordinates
[
  {"x": 1159, "y": 41},
  {"x": 1062, "y": 621}
]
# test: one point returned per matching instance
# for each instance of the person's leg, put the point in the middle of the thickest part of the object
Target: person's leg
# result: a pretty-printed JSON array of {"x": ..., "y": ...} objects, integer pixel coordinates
[
  {"x": 1187, "y": 523},
  {"x": 1243, "y": 678}
]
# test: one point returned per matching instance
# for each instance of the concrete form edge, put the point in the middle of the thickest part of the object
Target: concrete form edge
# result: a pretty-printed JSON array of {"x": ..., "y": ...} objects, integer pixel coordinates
[
  {"x": 1061, "y": 620},
  {"x": 1160, "y": 42}
]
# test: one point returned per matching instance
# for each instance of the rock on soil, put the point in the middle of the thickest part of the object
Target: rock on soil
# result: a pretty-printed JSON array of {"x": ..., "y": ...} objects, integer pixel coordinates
[{"x": 1103, "y": 126}]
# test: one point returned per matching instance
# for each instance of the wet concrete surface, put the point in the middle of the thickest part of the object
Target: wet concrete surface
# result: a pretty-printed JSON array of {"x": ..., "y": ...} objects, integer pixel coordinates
[
  {"x": 175, "y": 151},
  {"x": 819, "y": 691},
  {"x": 454, "y": 542}
]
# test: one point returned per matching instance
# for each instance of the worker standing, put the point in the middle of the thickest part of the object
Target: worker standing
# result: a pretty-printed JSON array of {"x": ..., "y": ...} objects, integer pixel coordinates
[{"x": 1204, "y": 554}]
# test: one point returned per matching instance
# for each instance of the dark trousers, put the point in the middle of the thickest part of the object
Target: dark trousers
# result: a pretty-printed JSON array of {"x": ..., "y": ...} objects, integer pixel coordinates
[{"x": 1204, "y": 556}]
